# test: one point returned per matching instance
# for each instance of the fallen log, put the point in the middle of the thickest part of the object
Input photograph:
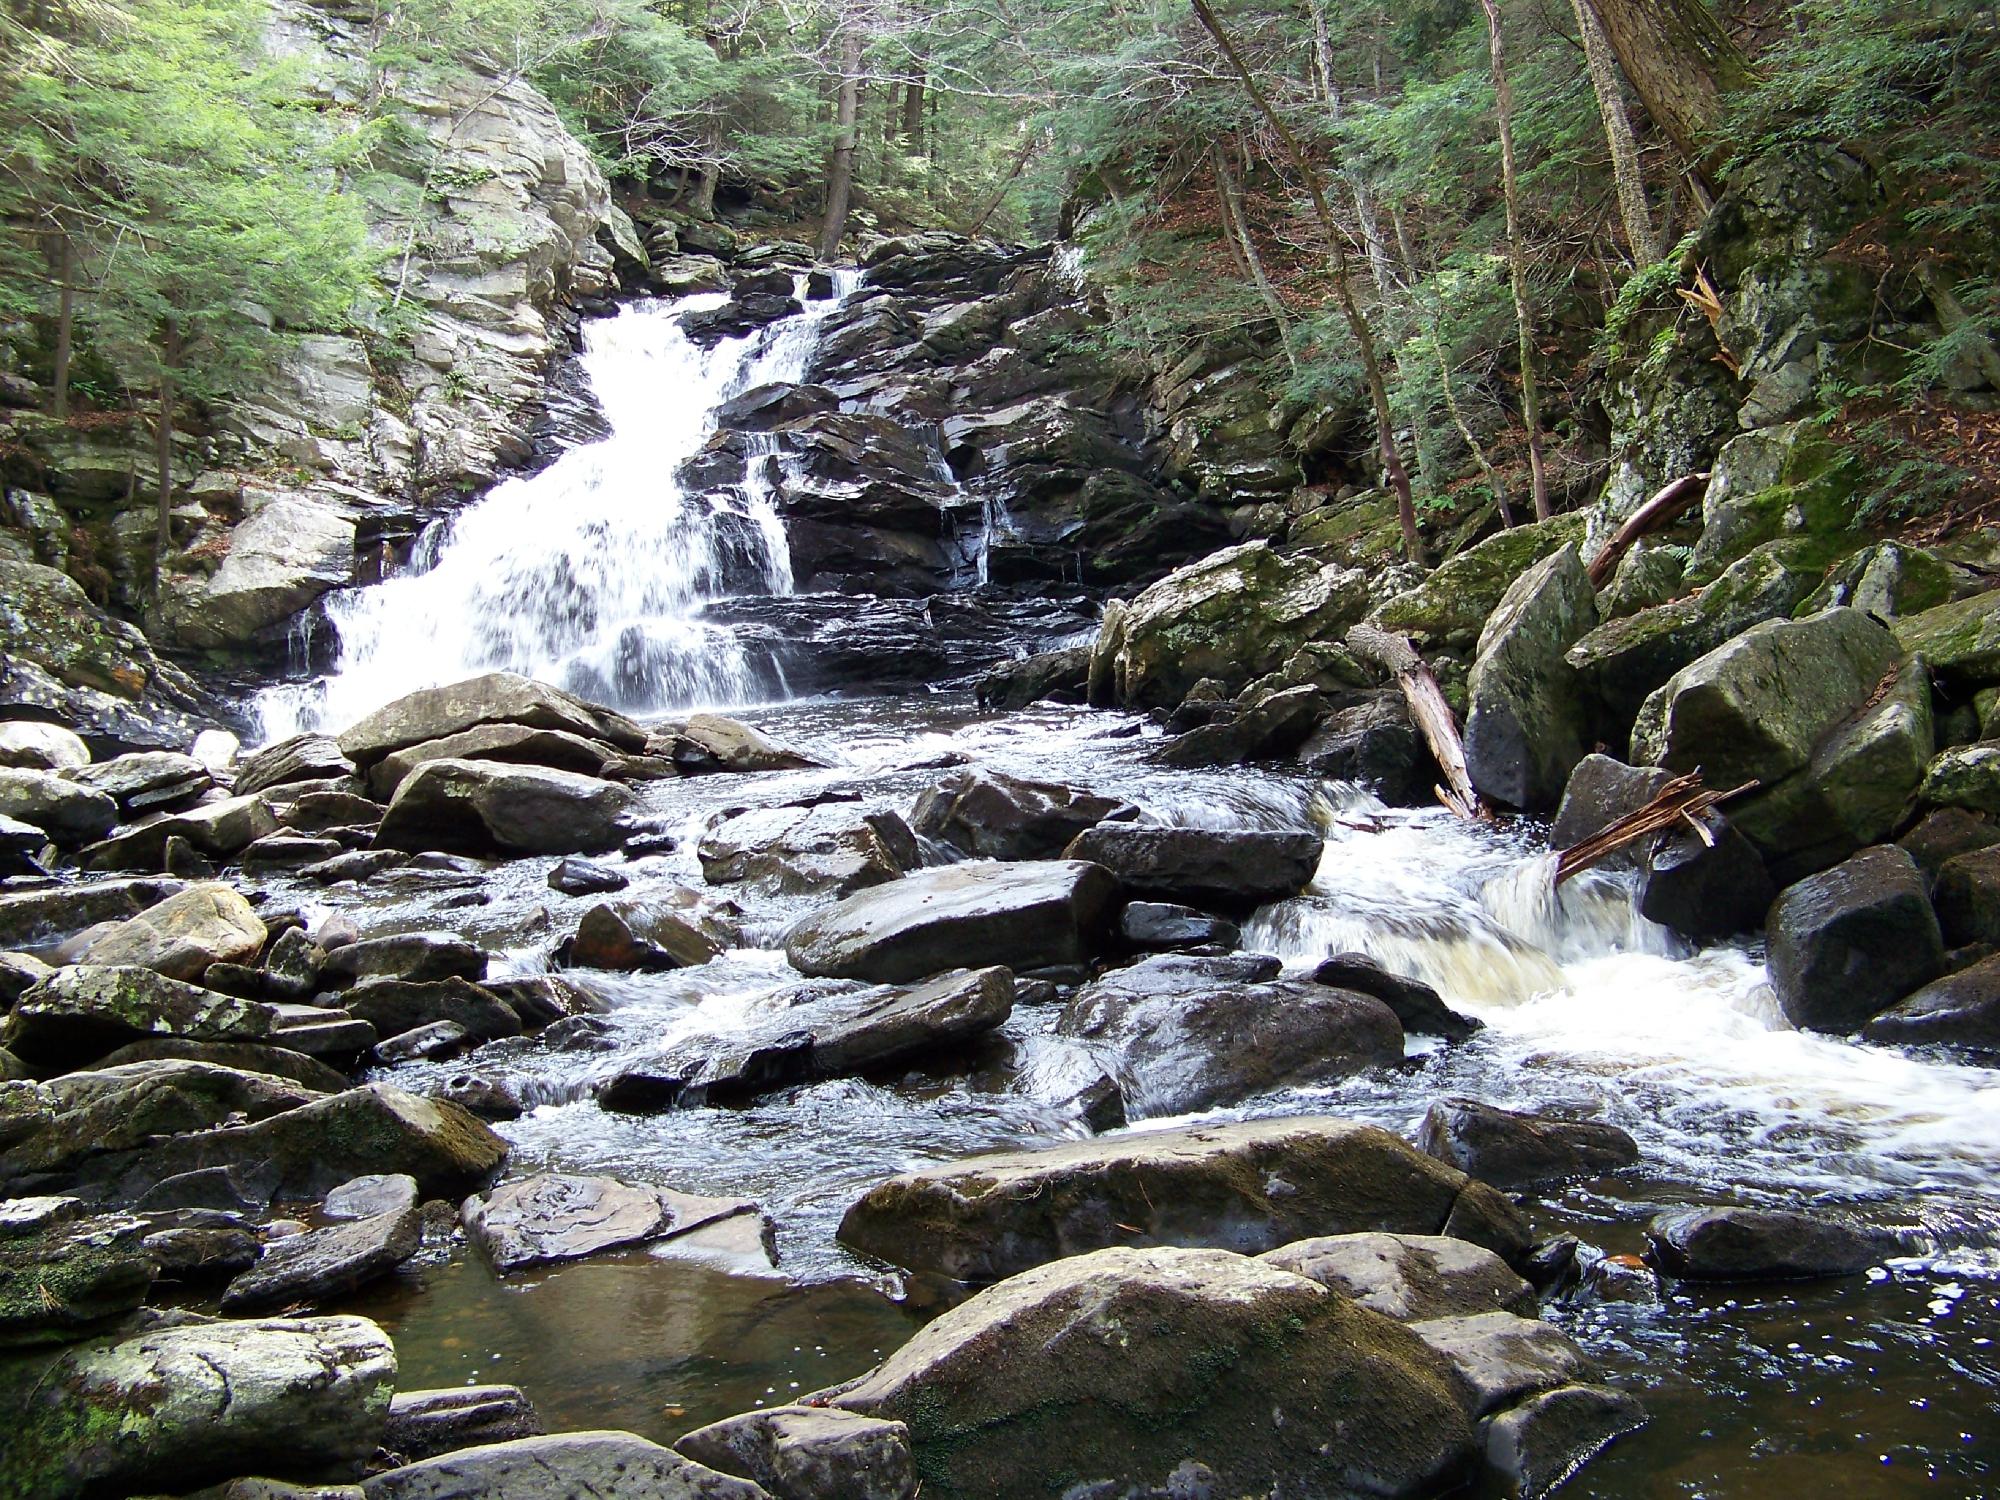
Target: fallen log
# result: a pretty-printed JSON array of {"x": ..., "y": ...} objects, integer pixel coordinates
[
  {"x": 1665, "y": 505},
  {"x": 1682, "y": 800},
  {"x": 1428, "y": 710}
]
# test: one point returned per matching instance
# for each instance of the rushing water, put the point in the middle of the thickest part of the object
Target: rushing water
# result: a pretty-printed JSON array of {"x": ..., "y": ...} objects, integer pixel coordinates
[{"x": 1880, "y": 1386}]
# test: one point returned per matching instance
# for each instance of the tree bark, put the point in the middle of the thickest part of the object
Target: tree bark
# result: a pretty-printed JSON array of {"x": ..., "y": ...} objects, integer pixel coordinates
[
  {"x": 1517, "y": 259},
  {"x": 65, "y": 322},
  {"x": 840, "y": 175},
  {"x": 163, "y": 446},
  {"x": 1680, "y": 62},
  {"x": 1236, "y": 227},
  {"x": 1626, "y": 174},
  {"x": 1343, "y": 286},
  {"x": 913, "y": 114},
  {"x": 1428, "y": 710}
]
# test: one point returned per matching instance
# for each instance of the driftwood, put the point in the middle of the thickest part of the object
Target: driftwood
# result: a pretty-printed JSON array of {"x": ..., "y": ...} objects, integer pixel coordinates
[
  {"x": 1683, "y": 799},
  {"x": 1664, "y": 506},
  {"x": 1432, "y": 715}
]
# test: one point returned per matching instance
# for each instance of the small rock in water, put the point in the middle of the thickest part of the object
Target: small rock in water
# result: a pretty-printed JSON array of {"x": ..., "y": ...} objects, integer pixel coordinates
[
  {"x": 579, "y": 877},
  {"x": 1513, "y": 1150},
  {"x": 1228, "y": 869},
  {"x": 365, "y": 1197},
  {"x": 1163, "y": 926},
  {"x": 581, "y": 1034},
  {"x": 417, "y": 957},
  {"x": 326, "y": 1263},
  {"x": 810, "y": 1453},
  {"x": 436, "y": 1042},
  {"x": 1754, "y": 1244},
  {"x": 1419, "y": 1007},
  {"x": 1959, "y": 1010},
  {"x": 423, "y": 1424},
  {"x": 1535, "y": 1447},
  {"x": 488, "y": 1098},
  {"x": 556, "y": 1217}
]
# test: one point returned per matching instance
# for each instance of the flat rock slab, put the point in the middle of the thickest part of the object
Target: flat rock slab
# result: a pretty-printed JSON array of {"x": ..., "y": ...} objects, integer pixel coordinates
[
  {"x": 567, "y": 1466},
  {"x": 1022, "y": 915},
  {"x": 83, "y": 1012},
  {"x": 423, "y": 1424},
  {"x": 495, "y": 698},
  {"x": 326, "y": 1263},
  {"x": 989, "y": 815},
  {"x": 1409, "y": 1277},
  {"x": 1225, "y": 869},
  {"x": 810, "y": 1453},
  {"x": 1247, "y": 1187},
  {"x": 1501, "y": 1357},
  {"x": 492, "y": 807},
  {"x": 556, "y": 1217}
]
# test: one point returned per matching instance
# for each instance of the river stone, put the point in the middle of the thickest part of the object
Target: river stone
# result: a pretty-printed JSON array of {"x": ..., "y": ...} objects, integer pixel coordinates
[
  {"x": 1234, "y": 616},
  {"x": 1525, "y": 727},
  {"x": 1514, "y": 1150},
  {"x": 1023, "y": 915},
  {"x": 31, "y": 746},
  {"x": 83, "y": 1012},
  {"x": 322, "y": 1031},
  {"x": 184, "y": 934},
  {"x": 1181, "y": 1034},
  {"x": 516, "y": 744},
  {"x": 1227, "y": 869},
  {"x": 487, "y": 1098},
  {"x": 434, "y": 1041},
  {"x": 579, "y": 877},
  {"x": 810, "y": 1453},
  {"x": 244, "y": 1057},
  {"x": 396, "y": 1006},
  {"x": 1537, "y": 1446},
  {"x": 334, "y": 813},
  {"x": 555, "y": 1217},
  {"x": 1165, "y": 927},
  {"x": 639, "y": 932},
  {"x": 23, "y": 848},
  {"x": 566, "y": 1466},
  {"x": 35, "y": 918},
  {"x": 1409, "y": 1277},
  {"x": 1967, "y": 894},
  {"x": 1415, "y": 1005},
  {"x": 1061, "y": 676},
  {"x": 1248, "y": 1187},
  {"x": 303, "y": 757},
  {"x": 220, "y": 830},
  {"x": 62, "y": 1274},
  {"x": 484, "y": 807},
  {"x": 366, "y": 1197},
  {"x": 852, "y": 1033},
  {"x": 68, "y": 813},
  {"x": 1754, "y": 1244},
  {"x": 1372, "y": 742},
  {"x": 1965, "y": 776},
  {"x": 1269, "y": 728},
  {"x": 1756, "y": 707},
  {"x": 1960, "y": 640},
  {"x": 495, "y": 698},
  {"x": 1502, "y": 1357},
  {"x": 1850, "y": 942},
  {"x": 413, "y": 957},
  {"x": 1959, "y": 1010},
  {"x": 1129, "y": 1364},
  {"x": 423, "y": 1424},
  {"x": 205, "y": 1401},
  {"x": 708, "y": 743},
  {"x": 990, "y": 815},
  {"x": 325, "y": 1264},
  {"x": 793, "y": 850}
]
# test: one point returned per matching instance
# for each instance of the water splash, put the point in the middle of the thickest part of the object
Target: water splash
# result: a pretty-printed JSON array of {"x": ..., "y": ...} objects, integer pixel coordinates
[{"x": 591, "y": 573}]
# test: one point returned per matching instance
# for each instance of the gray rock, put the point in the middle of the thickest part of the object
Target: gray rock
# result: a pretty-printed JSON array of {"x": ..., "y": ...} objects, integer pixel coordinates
[
  {"x": 62, "y": 1274},
  {"x": 423, "y": 1424},
  {"x": 1163, "y": 926},
  {"x": 395, "y": 1006},
  {"x": 216, "y": 1189},
  {"x": 81, "y": 1013},
  {"x": 1248, "y": 1187},
  {"x": 482, "y": 807},
  {"x": 24, "y": 848},
  {"x": 1022, "y": 915},
  {"x": 325, "y": 1264},
  {"x": 1514, "y": 1150},
  {"x": 486, "y": 1098},
  {"x": 579, "y": 877},
  {"x": 1181, "y": 1034},
  {"x": 810, "y": 1453},
  {"x": 37, "y": 918},
  {"x": 204, "y": 1401},
  {"x": 496, "y": 698},
  {"x": 1373, "y": 743},
  {"x": 147, "y": 780},
  {"x": 1526, "y": 726},
  {"x": 365, "y": 1197},
  {"x": 1502, "y": 1358},
  {"x": 1849, "y": 943},
  {"x": 552, "y": 749},
  {"x": 1068, "y": 1374},
  {"x": 220, "y": 830},
  {"x": 183, "y": 935},
  {"x": 1538, "y": 1445},
  {"x": 640, "y": 932},
  {"x": 707, "y": 743},
  {"x": 28, "y": 745},
  {"x": 303, "y": 757},
  {"x": 68, "y": 813},
  {"x": 203, "y": 1251},
  {"x": 1224, "y": 869},
  {"x": 1416, "y": 1005},
  {"x": 563, "y": 1467},
  {"x": 247, "y": 1057},
  {"x": 435, "y": 1041},
  {"x": 414, "y": 957},
  {"x": 1751, "y": 1244},
  {"x": 555, "y": 1217},
  {"x": 1959, "y": 1010},
  {"x": 802, "y": 849},
  {"x": 1409, "y": 1277},
  {"x": 989, "y": 815}
]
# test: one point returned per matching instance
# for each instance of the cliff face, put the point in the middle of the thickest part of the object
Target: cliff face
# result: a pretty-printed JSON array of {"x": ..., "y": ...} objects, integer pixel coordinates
[{"x": 495, "y": 223}]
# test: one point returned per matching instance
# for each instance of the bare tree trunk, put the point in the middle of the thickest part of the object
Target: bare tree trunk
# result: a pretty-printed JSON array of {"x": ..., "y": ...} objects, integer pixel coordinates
[
  {"x": 913, "y": 114},
  {"x": 1236, "y": 226},
  {"x": 840, "y": 175},
  {"x": 704, "y": 196},
  {"x": 163, "y": 446},
  {"x": 999, "y": 193},
  {"x": 65, "y": 322},
  {"x": 1517, "y": 259},
  {"x": 1428, "y": 711},
  {"x": 1343, "y": 286},
  {"x": 1626, "y": 173},
  {"x": 1680, "y": 62}
]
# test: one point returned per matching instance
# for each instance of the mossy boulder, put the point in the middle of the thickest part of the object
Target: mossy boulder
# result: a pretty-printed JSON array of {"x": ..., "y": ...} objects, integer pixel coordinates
[
  {"x": 80, "y": 1013},
  {"x": 1965, "y": 776},
  {"x": 1450, "y": 607},
  {"x": 1772, "y": 482},
  {"x": 1886, "y": 580},
  {"x": 1233, "y": 616},
  {"x": 62, "y": 1273},
  {"x": 1527, "y": 727},
  {"x": 1145, "y": 1367},
  {"x": 46, "y": 618},
  {"x": 1960, "y": 640},
  {"x": 1649, "y": 574}
]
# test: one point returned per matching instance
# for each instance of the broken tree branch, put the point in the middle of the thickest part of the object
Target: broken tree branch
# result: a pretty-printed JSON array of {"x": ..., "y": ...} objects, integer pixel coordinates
[
  {"x": 1684, "y": 799},
  {"x": 1665, "y": 506},
  {"x": 1432, "y": 715}
]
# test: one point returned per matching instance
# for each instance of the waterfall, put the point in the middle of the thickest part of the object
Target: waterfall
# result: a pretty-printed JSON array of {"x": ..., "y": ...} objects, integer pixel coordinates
[{"x": 591, "y": 573}]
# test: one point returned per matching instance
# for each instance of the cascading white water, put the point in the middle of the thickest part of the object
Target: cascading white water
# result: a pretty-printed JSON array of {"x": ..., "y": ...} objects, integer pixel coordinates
[{"x": 589, "y": 573}]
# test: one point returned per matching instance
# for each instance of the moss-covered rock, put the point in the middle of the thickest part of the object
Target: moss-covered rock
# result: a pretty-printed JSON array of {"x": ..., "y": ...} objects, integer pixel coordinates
[
  {"x": 1772, "y": 482},
  {"x": 1649, "y": 574},
  {"x": 1450, "y": 607},
  {"x": 1527, "y": 727},
  {"x": 80, "y": 1013},
  {"x": 1965, "y": 776},
  {"x": 1136, "y": 1366},
  {"x": 62, "y": 1273},
  {"x": 1885, "y": 580},
  {"x": 1960, "y": 640}
]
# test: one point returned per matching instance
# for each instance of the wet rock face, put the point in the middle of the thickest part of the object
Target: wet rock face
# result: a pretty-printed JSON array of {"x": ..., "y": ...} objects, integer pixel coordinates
[
  {"x": 62, "y": 1272},
  {"x": 1745, "y": 1244},
  {"x": 810, "y": 1452},
  {"x": 1959, "y": 1010},
  {"x": 990, "y": 815},
  {"x": 1228, "y": 869},
  {"x": 1849, "y": 943},
  {"x": 1514, "y": 1150},
  {"x": 1126, "y": 1365},
  {"x": 1526, "y": 726},
  {"x": 556, "y": 1467},
  {"x": 484, "y": 807}
]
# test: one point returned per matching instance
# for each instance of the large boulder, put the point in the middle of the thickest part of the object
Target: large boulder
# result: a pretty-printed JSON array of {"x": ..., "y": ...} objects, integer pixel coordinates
[
  {"x": 1183, "y": 1034},
  {"x": 303, "y": 757},
  {"x": 1959, "y": 1010},
  {"x": 1526, "y": 725},
  {"x": 518, "y": 744},
  {"x": 1851, "y": 941},
  {"x": 30, "y": 745},
  {"x": 1960, "y": 640},
  {"x": 1451, "y": 606},
  {"x": 1231, "y": 869},
  {"x": 565, "y": 1466},
  {"x": 1968, "y": 896},
  {"x": 1373, "y": 742},
  {"x": 1247, "y": 1187},
  {"x": 69, "y": 813},
  {"x": 1758, "y": 1244},
  {"x": 184, "y": 934},
  {"x": 62, "y": 1274},
  {"x": 496, "y": 698},
  {"x": 487, "y": 807},
  {"x": 146, "y": 780},
  {"x": 1501, "y": 1357},
  {"x": 292, "y": 550},
  {"x": 80, "y": 1013},
  {"x": 990, "y": 815},
  {"x": 201, "y": 1402},
  {"x": 396, "y": 1006},
  {"x": 1022, "y": 915},
  {"x": 832, "y": 847},
  {"x": 1409, "y": 1277},
  {"x": 810, "y": 1453},
  {"x": 1146, "y": 1368},
  {"x": 1514, "y": 1150},
  {"x": 219, "y": 830},
  {"x": 1233, "y": 616},
  {"x": 1966, "y": 776},
  {"x": 706, "y": 743},
  {"x": 1532, "y": 1448}
]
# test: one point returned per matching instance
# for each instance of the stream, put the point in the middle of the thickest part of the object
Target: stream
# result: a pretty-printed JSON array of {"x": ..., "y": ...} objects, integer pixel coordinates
[{"x": 593, "y": 573}]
